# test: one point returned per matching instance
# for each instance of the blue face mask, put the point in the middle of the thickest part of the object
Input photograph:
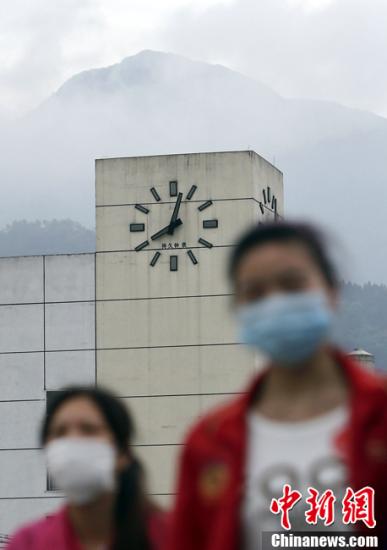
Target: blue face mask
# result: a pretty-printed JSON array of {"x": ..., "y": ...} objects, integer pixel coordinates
[{"x": 288, "y": 327}]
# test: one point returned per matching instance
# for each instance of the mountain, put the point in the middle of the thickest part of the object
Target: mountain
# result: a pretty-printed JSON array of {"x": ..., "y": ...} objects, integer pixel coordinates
[
  {"x": 333, "y": 158},
  {"x": 24, "y": 238}
]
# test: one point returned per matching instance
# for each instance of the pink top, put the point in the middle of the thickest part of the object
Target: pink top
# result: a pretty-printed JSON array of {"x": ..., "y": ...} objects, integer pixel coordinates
[{"x": 56, "y": 532}]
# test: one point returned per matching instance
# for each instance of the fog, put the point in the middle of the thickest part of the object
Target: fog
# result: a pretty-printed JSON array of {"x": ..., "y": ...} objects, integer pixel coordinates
[
  {"x": 306, "y": 91},
  {"x": 333, "y": 158},
  {"x": 321, "y": 49}
]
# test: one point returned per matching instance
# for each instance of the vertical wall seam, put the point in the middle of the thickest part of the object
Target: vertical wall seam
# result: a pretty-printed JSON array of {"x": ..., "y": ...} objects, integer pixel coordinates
[
  {"x": 44, "y": 322},
  {"x": 95, "y": 320}
]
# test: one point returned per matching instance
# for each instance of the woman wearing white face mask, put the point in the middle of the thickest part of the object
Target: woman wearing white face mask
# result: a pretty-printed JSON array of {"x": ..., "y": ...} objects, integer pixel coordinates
[
  {"x": 312, "y": 419},
  {"x": 86, "y": 436}
]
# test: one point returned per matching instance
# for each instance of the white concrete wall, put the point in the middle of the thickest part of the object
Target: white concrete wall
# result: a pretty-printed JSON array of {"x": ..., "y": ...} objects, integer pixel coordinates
[
  {"x": 47, "y": 340},
  {"x": 166, "y": 341}
]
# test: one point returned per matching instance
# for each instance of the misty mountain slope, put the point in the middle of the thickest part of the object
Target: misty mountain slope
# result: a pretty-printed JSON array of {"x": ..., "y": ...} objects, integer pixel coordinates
[
  {"x": 333, "y": 158},
  {"x": 22, "y": 238},
  {"x": 150, "y": 68},
  {"x": 342, "y": 183}
]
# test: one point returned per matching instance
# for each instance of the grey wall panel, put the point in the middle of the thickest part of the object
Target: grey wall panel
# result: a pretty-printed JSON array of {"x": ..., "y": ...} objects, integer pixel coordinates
[
  {"x": 69, "y": 277},
  {"x": 21, "y": 280},
  {"x": 21, "y": 328},
  {"x": 116, "y": 269},
  {"x": 70, "y": 326},
  {"x": 165, "y": 322},
  {"x": 175, "y": 370},
  {"x": 65, "y": 368},
  {"x": 20, "y": 423},
  {"x": 163, "y": 420},
  {"x": 23, "y": 474},
  {"x": 21, "y": 376},
  {"x": 160, "y": 462}
]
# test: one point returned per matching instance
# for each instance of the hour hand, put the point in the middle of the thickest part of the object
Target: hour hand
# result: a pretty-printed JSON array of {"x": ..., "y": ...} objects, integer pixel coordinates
[{"x": 166, "y": 229}]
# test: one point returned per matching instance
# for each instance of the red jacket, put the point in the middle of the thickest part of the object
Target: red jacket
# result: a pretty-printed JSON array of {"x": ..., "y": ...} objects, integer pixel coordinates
[{"x": 211, "y": 478}]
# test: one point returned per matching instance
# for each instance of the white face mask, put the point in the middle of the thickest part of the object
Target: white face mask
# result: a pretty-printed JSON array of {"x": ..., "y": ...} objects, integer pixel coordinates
[{"x": 82, "y": 467}]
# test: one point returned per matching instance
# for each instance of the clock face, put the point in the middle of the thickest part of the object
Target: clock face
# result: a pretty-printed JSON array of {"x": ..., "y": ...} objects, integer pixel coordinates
[
  {"x": 170, "y": 237},
  {"x": 178, "y": 210}
]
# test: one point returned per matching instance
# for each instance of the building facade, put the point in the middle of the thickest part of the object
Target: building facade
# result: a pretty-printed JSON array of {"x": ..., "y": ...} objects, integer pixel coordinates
[
  {"x": 148, "y": 315},
  {"x": 47, "y": 340}
]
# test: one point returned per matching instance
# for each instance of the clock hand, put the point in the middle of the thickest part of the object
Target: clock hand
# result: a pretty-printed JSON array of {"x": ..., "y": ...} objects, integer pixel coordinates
[
  {"x": 175, "y": 213},
  {"x": 166, "y": 229}
]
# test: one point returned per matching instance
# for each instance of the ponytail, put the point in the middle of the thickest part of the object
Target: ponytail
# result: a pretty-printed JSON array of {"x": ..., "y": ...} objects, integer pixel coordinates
[{"x": 130, "y": 511}]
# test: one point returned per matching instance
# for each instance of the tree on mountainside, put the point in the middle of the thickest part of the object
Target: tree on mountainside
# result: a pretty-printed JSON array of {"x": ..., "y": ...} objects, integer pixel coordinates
[{"x": 23, "y": 238}]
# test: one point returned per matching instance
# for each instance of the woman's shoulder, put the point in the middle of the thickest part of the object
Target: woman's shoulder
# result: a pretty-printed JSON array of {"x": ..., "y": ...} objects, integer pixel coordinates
[{"x": 44, "y": 531}]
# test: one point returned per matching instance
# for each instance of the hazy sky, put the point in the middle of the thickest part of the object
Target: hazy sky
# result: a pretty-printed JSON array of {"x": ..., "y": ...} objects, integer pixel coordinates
[{"x": 326, "y": 49}]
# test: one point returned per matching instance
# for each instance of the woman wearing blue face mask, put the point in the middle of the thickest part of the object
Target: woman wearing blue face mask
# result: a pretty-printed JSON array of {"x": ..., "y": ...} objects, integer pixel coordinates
[{"x": 312, "y": 419}]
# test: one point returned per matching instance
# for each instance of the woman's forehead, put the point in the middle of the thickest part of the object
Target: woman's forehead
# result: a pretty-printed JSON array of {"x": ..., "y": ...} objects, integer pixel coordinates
[
  {"x": 278, "y": 255},
  {"x": 79, "y": 406}
]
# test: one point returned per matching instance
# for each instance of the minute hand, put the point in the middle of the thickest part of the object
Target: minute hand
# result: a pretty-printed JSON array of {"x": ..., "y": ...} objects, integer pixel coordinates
[
  {"x": 166, "y": 229},
  {"x": 175, "y": 213}
]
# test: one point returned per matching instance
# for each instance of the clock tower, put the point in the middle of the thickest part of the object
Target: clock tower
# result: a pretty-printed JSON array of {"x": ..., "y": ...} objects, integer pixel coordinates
[{"x": 164, "y": 330}]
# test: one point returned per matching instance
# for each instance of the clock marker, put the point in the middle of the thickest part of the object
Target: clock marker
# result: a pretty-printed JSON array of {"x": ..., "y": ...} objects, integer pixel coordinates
[
  {"x": 204, "y": 205},
  {"x": 273, "y": 202},
  {"x": 264, "y": 195},
  {"x": 173, "y": 265},
  {"x": 155, "y": 194},
  {"x": 155, "y": 258},
  {"x": 205, "y": 243},
  {"x": 141, "y": 246},
  {"x": 142, "y": 208},
  {"x": 261, "y": 207},
  {"x": 268, "y": 194},
  {"x": 191, "y": 192},
  {"x": 210, "y": 224},
  {"x": 173, "y": 188},
  {"x": 136, "y": 227},
  {"x": 192, "y": 257}
]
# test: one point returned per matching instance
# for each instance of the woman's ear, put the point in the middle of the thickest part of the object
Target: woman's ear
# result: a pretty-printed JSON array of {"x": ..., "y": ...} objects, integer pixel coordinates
[{"x": 123, "y": 461}]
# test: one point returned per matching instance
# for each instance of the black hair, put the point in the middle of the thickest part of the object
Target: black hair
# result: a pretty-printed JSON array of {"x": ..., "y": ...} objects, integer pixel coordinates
[
  {"x": 130, "y": 507},
  {"x": 286, "y": 232}
]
